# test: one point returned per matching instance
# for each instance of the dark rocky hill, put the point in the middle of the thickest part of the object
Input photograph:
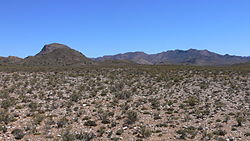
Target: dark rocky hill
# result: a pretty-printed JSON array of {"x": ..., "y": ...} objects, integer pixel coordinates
[
  {"x": 57, "y": 55},
  {"x": 10, "y": 60},
  {"x": 190, "y": 57}
]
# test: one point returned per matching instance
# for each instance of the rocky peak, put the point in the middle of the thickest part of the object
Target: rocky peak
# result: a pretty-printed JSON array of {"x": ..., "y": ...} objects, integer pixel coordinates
[
  {"x": 57, "y": 55},
  {"x": 51, "y": 47},
  {"x": 201, "y": 52}
]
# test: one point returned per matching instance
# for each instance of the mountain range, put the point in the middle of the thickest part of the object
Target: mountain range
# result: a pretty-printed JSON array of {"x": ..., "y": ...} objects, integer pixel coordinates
[
  {"x": 188, "y": 57},
  {"x": 56, "y": 54}
]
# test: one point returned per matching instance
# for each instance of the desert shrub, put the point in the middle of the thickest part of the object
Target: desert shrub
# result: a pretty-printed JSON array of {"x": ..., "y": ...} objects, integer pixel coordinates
[
  {"x": 119, "y": 132},
  {"x": 192, "y": 101},
  {"x": 132, "y": 117},
  {"x": 18, "y": 134},
  {"x": 85, "y": 136},
  {"x": 219, "y": 104},
  {"x": 155, "y": 103},
  {"x": 247, "y": 134},
  {"x": 7, "y": 103},
  {"x": 75, "y": 97},
  {"x": 157, "y": 116},
  {"x": 38, "y": 118},
  {"x": 3, "y": 128},
  {"x": 101, "y": 131},
  {"x": 67, "y": 136},
  {"x": 4, "y": 117},
  {"x": 190, "y": 132},
  {"x": 33, "y": 106},
  {"x": 116, "y": 139},
  {"x": 182, "y": 134},
  {"x": 162, "y": 125},
  {"x": 220, "y": 139},
  {"x": 105, "y": 120},
  {"x": 123, "y": 95},
  {"x": 218, "y": 120},
  {"x": 145, "y": 132},
  {"x": 220, "y": 132},
  {"x": 169, "y": 102},
  {"x": 234, "y": 129},
  {"x": 86, "y": 118},
  {"x": 240, "y": 120},
  {"x": 90, "y": 123},
  {"x": 62, "y": 122},
  {"x": 104, "y": 93},
  {"x": 4, "y": 95},
  {"x": 104, "y": 116}
]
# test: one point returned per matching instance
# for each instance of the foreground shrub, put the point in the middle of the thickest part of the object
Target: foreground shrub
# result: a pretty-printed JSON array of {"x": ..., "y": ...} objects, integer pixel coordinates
[
  {"x": 18, "y": 134},
  {"x": 132, "y": 117}
]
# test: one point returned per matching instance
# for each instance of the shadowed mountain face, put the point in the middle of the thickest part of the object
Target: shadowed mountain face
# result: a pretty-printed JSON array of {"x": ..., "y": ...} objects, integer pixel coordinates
[
  {"x": 57, "y": 55},
  {"x": 190, "y": 57}
]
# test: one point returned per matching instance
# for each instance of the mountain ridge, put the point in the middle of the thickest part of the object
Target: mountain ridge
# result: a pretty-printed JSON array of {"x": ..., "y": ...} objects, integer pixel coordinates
[
  {"x": 189, "y": 57},
  {"x": 56, "y": 54},
  {"x": 10, "y": 60}
]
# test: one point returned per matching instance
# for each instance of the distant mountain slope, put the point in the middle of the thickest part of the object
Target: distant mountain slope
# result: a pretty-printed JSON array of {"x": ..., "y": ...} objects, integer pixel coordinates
[
  {"x": 137, "y": 57},
  {"x": 61, "y": 55},
  {"x": 191, "y": 57},
  {"x": 57, "y": 55},
  {"x": 10, "y": 60},
  {"x": 116, "y": 63}
]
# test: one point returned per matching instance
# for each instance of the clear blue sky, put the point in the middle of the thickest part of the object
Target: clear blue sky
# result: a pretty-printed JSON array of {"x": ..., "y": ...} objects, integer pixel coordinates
[{"x": 104, "y": 27}]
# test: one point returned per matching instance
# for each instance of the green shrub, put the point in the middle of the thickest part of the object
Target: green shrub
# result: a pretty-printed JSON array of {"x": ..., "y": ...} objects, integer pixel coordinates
[
  {"x": 62, "y": 122},
  {"x": 145, "y": 132},
  {"x": 4, "y": 117},
  {"x": 240, "y": 120},
  {"x": 18, "y": 134},
  {"x": 85, "y": 136},
  {"x": 3, "y": 128},
  {"x": 247, "y": 134},
  {"x": 101, "y": 131},
  {"x": 75, "y": 97},
  {"x": 33, "y": 106},
  {"x": 123, "y": 95},
  {"x": 220, "y": 132},
  {"x": 155, "y": 103},
  {"x": 132, "y": 117},
  {"x": 90, "y": 123},
  {"x": 7, "y": 103},
  {"x": 189, "y": 131},
  {"x": 119, "y": 132},
  {"x": 38, "y": 118},
  {"x": 192, "y": 101}
]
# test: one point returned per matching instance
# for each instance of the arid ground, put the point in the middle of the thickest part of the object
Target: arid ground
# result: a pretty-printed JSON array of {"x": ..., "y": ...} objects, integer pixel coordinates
[{"x": 136, "y": 103}]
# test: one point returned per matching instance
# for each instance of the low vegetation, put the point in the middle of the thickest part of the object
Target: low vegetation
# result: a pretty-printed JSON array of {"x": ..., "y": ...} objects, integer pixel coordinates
[{"x": 135, "y": 102}]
